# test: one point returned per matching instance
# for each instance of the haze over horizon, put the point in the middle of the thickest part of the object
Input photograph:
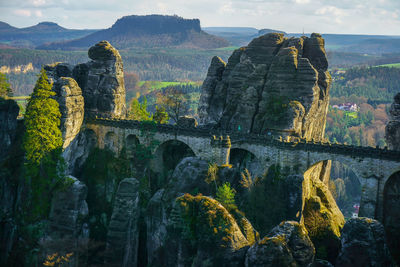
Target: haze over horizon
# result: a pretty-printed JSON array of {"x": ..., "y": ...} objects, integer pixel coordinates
[{"x": 375, "y": 17}]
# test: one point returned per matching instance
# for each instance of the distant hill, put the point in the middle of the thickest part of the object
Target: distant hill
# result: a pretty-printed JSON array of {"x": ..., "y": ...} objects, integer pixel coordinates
[
  {"x": 147, "y": 31},
  {"x": 36, "y": 35},
  {"x": 238, "y": 36},
  {"x": 357, "y": 43}
]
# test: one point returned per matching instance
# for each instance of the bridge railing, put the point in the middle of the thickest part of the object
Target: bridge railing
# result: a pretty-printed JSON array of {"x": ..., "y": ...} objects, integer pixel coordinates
[{"x": 250, "y": 138}]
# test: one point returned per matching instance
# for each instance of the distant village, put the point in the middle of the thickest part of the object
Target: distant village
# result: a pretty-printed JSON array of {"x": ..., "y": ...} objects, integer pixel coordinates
[{"x": 347, "y": 107}]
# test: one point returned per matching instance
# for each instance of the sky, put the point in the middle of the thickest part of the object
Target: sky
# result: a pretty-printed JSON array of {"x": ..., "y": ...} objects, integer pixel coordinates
[{"x": 323, "y": 16}]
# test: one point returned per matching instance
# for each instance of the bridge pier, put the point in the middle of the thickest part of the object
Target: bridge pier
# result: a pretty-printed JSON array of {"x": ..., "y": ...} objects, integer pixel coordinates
[{"x": 221, "y": 147}]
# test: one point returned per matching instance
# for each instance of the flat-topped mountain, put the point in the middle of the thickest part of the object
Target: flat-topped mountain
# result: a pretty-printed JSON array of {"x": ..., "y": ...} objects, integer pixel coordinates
[
  {"x": 148, "y": 31},
  {"x": 32, "y": 36}
]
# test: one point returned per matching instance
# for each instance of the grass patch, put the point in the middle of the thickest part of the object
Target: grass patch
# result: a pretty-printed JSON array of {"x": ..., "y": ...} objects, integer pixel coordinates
[
  {"x": 352, "y": 114},
  {"x": 393, "y": 65}
]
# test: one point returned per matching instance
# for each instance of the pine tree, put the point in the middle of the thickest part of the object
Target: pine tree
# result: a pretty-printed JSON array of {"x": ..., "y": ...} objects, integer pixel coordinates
[
  {"x": 226, "y": 196},
  {"x": 42, "y": 121},
  {"x": 160, "y": 116},
  {"x": 139, "y": 111},
  {"x": 43, "y": 146},
  {"x": 5, "y": 88}
]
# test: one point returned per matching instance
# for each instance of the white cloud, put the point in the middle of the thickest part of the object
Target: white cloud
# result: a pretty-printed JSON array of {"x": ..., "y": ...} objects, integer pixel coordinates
[
  {"x": 38, "y": 2},
  {"x": 226, "y": 8},
  {"x": 325, "y": 16},
  {"x": 22, "y": 12},
  {"x": 302, "y": 1}
]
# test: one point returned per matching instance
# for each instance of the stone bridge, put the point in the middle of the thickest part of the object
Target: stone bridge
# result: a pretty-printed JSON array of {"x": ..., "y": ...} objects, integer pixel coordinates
[{"x": 373, "y": 166}]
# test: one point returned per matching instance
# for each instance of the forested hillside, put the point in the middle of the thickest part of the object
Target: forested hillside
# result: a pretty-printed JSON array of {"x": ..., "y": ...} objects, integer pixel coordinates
[
  {"x": 373, "y": 83},
  {"x": 171, "y": 64},
  {"x": 372, "y": 89}
]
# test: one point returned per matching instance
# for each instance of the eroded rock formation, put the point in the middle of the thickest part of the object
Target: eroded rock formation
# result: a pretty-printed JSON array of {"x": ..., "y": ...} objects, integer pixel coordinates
[
  {"x": 123, "y": 230},
  {"x": 103, "y": 82},
  {"x": 68, "y": 228},
  {"x": 273, "y": 84},
  {"x": 320, "y": 214},
  {"x": 363, "y": 244},
  {"x": 392, "y": 134},
  {"x": 286, "y": 245}
]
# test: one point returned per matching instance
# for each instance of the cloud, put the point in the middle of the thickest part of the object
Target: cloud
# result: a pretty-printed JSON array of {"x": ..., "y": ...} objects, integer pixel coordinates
[
  {"x": 326, "y": 16},
  {"x": 22, "y": 12},
  {"x": 38, "y": 13},
  {"x": 302, "y": 1}
]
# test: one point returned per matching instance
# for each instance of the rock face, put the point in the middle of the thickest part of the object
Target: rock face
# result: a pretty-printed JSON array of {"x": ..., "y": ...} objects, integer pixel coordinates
[
  {"x": 102, "y": 82},
  {"x": 320, "y": 214},
  {"x": 68, "y": 229},
  {"x": 8, "y": 120},
  {"x": 169, "y": 242},
  {"x": 69, "y": 97},
  {"x": 273, "y": 84},
  {"x": 220, "y": 238},
  {"x": 392, "y": 134},
  {"x": 95, "y": 88},
  {"x": 363, "y": 244},
  {"x": 286, "y": 245},
  {"x": 123, "y": 230}
]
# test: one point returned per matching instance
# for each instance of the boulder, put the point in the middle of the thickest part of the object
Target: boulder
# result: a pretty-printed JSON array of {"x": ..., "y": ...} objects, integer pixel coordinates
[
  {"x": 123, "y": 230},
  {"x": 215, "y": 234},
  {"x": 102, "y": 82},
  {"x": 392, "y": 134},
  {"x": 363, "y": 244},
  {"x": 274, "y": 84},
  {"x": 286, "y": 245},
  {"x": 186, "y": 122},
  {"x": 8, "y": 120}
]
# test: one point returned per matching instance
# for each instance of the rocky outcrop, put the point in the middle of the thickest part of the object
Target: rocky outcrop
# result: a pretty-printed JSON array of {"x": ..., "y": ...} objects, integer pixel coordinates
[
  {"x": 217, "y": 236},
  {"x": 95, "y": 88},
  {"x": 286, "y": 245},
  {"x": 70, "y": 99},
  {"x": 8, "y": 120},
  {"x": 273, "y": 84},
  {"x": 392, "y": 133},
  {"x": 102, "y": 82},
  {"x": 320, "y": 214},
  {"x": 363, "y": 244},
  {"x": 169, "y": 242},
  {"x": 123, "y": 230},
  {"x": 188, "y": 176},
  {"x": 68, "y": 228}
]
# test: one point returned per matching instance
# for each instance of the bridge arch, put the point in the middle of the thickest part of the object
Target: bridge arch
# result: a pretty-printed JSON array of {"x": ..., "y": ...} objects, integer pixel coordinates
[
  {"x": 391, "y": 213},
  {"x": 168, "y": 154},
  {"x": 244, "y": 159},
  {"x": 131, "y": 143},
  {"x": 111, "y": 142},
  {"x": 90, "y": 139}
]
